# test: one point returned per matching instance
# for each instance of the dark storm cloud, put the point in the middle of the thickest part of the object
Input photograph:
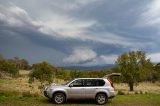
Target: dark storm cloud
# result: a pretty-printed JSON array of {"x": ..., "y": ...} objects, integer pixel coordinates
[{"x": 65, "y": 34}]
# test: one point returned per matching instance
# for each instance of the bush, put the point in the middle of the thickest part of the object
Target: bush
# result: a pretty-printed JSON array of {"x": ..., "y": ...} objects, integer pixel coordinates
[
  {"x": 9, "y": 67},
  {"x": 9, "y": 93},
  {"x": 26, "y": 94},
  {"x": 36, "y": 94},
  {"x": 120, "y": 93},
  {"x": 141, "y": 92},
  {"x": 136, "y": 92},
  {"x": 146, "y": 92},
  {"x": 43, "y": 72}
]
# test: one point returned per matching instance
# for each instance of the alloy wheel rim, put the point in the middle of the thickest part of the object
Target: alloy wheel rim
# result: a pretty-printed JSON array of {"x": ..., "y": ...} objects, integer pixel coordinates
[
  {"x": 59, "y": 99},
  {"x": 101, "y": 99}
]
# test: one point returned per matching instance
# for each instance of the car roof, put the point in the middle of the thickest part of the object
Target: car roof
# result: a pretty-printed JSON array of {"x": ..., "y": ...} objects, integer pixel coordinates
[{"x": 89, "y": 78}]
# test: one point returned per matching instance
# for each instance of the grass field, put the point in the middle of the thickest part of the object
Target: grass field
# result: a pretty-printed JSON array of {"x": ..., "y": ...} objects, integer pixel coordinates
[
  {"x": 18, "y": 92},
  {"x": 119, "y": 100}
]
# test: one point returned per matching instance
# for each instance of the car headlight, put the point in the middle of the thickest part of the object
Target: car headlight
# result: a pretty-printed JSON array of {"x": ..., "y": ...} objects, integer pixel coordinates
[{"x": 46, "y": 88}]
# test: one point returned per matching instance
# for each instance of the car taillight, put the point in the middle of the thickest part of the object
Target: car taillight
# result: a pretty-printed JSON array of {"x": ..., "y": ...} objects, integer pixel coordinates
[{"x": 111, "y": 82}]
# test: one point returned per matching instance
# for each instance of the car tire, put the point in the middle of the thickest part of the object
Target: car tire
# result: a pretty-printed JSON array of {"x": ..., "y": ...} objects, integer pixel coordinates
[
  {"x": 59, "y": 98},
  {"x": 101, "y": 98}
]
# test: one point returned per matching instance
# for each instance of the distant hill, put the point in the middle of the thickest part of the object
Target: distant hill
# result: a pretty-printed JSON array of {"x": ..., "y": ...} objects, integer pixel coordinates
[{"x": 98, "y": 67}]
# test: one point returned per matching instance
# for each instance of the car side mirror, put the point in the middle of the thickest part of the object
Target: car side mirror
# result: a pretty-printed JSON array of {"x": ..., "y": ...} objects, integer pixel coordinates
[{"x": 71, "y": 85}]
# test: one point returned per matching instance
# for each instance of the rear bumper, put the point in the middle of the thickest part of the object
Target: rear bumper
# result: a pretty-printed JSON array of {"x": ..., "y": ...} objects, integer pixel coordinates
[{"x": 112, "y": 94}]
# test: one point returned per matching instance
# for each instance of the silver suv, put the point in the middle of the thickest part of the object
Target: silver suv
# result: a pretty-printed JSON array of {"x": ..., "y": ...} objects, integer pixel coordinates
[{"x": 100, "y": 89}]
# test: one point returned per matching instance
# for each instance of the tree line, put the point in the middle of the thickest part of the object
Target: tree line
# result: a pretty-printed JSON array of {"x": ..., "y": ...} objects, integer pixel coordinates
[
  {"x": 11, "y": 67},
  {"x": 134, "y": 67}
]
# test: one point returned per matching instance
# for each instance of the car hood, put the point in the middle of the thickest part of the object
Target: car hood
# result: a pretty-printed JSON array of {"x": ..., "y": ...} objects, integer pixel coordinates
[{"x": 54, "y": 85}]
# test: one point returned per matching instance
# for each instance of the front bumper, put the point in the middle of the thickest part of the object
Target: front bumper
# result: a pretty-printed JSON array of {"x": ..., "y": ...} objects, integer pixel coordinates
[{"x": 45, "y": 94}]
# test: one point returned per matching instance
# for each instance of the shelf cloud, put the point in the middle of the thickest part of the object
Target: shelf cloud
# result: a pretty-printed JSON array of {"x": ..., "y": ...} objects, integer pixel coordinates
[{"x": 78, "y": 32}]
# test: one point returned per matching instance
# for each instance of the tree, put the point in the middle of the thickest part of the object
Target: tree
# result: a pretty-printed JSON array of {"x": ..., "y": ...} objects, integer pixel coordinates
[
  {"x": 16, "y": 61},
  {"x": 1, "y": 57},
  {"x": 134, "y": 67},
  {"x": 156, "y": 73},
  {"x": 8, "y": 67},
  {"x": 42, "y": 72},
  {"x": 21, "y": 64},
  {"x": 1, "y": 62},
  {"x": 24, "y": 64}
]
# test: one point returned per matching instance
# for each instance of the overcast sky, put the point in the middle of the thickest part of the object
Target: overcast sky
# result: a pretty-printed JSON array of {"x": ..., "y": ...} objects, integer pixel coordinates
[{"x": 79, "y": 32}]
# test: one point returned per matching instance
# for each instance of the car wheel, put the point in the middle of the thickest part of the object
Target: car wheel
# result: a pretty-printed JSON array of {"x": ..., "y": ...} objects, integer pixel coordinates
[
  {"x": 101, "y": 98},
  {"x": 59, "y": 98}
]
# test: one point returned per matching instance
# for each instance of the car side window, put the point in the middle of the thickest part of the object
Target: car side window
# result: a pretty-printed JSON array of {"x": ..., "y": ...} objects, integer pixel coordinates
[
  {"x": 78, "y": 83},
  {"x": 89, "y": 82},
  {"x": 94, "y": 82}
]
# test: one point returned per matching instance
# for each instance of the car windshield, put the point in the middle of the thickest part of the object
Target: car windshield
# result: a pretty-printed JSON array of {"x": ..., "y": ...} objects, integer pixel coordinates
[{"x": 67, "y": 82}]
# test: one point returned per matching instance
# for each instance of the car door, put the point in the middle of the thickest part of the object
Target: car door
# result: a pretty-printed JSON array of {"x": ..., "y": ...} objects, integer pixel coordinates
[
  {"x": 90, "y": 88},
  {"x": 76, "y": 89}
]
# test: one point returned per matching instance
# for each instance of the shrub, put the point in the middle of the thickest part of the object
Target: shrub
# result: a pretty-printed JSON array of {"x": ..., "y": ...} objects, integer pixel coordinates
[
  {"x": 146, "y": 92},
  {"x": 26, "y": 94},
  {"x": 43, "y": 72},
  {"x": 136, "y": 92},
  {"x": 120, "y": 93},
  {"x": 9, "y": 93},
  {"x": 141, "y": 92},
  {"x": 36, "y": 94}
]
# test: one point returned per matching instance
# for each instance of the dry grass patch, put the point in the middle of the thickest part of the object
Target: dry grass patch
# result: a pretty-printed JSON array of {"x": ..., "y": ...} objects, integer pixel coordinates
[
  {"x": 141, "y": 88},
  {"x": 21, "y": 84}
]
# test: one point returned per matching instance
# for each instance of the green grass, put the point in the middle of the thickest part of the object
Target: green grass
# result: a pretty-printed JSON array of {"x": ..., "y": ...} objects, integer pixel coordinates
[
  {"x": 137, "y": 100},
  {"x": 119, "y": 100}
]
